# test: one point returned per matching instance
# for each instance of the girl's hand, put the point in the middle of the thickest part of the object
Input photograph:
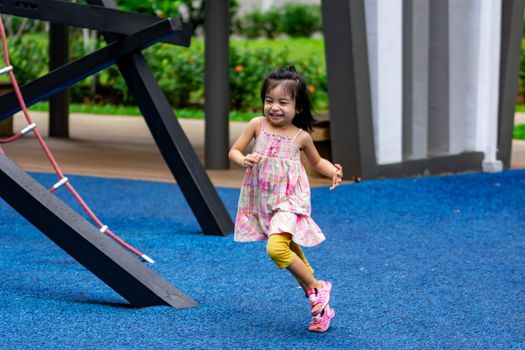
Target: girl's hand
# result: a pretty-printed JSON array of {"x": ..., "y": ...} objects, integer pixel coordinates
[
  {"x": 250, "y": 160},
  {"x": 338, "y": 176}
]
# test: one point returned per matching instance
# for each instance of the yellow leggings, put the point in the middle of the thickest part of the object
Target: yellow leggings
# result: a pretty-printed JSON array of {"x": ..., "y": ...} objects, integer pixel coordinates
[{"x": 282, "y": 250}]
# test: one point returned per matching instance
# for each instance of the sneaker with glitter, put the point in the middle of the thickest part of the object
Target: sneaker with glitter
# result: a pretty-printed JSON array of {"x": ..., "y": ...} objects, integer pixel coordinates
[
  {"x": 319, "y": 298},
  {"x": 321, "y": 322}
]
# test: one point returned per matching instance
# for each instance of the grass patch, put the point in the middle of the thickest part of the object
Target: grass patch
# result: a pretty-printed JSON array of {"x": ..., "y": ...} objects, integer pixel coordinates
[
  {"x": 520, "y": 108},
  {"x": 298, "y": 48},
  {"x": 519, "y": 132}
]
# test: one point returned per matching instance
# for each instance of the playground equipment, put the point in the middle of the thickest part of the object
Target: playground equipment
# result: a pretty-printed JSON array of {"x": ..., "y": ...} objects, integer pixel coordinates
[
  {"x": 127, "y": 34},
  {"x": 421, "y": 87}
]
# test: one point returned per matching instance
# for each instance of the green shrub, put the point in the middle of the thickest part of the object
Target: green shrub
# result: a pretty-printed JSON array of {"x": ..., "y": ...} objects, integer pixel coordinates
[
  {"x": 300, "y": 20},
  {"x": 521, "y": 86},
  {"x": 247, "y": 71},
  {"x": 293, "y": 19},
  {"x": 519, "y": 132},
  {"x": 179, "y": 72},
  {"x": 29, "y": 57},
  {"x": 258, "y": 24}
]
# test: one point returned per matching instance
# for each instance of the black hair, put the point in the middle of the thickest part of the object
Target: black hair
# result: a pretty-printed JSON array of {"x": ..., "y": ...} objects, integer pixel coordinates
[{"x": 293, "y": 84}]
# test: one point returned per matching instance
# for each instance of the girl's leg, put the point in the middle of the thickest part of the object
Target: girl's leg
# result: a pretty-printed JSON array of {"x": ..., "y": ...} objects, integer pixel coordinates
[
  {"x": 279, "y": 248},
  {"x": 299, "y": 252}
]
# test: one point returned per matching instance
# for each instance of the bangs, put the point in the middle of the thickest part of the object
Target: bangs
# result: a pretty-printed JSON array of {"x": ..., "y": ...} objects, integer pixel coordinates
[{"x": 289, "y": 86}]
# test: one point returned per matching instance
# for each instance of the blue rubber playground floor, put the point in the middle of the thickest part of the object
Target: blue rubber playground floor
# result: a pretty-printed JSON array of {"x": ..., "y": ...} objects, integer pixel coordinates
[{"x": 424, "y": 263}]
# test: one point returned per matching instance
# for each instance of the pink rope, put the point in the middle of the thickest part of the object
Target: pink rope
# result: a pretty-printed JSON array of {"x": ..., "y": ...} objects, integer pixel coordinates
[
  {"x": 48, "y": 153},
  {"x": 12, "y": 138}
]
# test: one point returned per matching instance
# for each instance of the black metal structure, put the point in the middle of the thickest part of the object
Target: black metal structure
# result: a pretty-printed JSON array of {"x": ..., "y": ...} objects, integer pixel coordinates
[
  {"x": 127, "y": 34},
  {"x": 124, "y": 46},
  {"x": 58, "y": 103},
  {"x": 80, "y": 239},
  {"x": 216, "y": 81}
]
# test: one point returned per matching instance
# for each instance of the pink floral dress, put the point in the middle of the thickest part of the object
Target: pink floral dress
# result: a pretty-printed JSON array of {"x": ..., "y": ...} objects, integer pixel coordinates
[{"x": 275, "y": 194}]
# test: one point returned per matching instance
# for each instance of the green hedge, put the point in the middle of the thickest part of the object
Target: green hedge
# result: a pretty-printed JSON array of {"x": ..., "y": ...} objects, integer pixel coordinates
[
  {"x": 292, "y": 19},
  {"x": 179, "y": 71}
]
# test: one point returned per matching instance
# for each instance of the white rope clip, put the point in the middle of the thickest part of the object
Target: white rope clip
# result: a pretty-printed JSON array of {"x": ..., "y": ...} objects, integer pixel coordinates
[
  {"x": 28, "y": 128},
  {"x": 6, "y": 69},
  {"x": 103, "y": 229},
  {"x": 60, "y": 183},
  {"x": 147, "y": 259}
]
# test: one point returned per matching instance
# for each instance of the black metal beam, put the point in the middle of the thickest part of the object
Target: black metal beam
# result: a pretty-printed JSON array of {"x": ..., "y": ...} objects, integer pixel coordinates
[
  {"x": 77, "y": 237},
  {"x": 511, "y": 37},
  {"x": 173, "y": 144},
  {"x": 83, "y": 16},
  {"x": 59, "y": 103},
  {"x": 67, "y": 75}
]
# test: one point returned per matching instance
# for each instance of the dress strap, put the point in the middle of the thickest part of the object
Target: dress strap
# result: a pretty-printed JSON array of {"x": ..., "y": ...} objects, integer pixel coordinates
[
  {"x": 261, "y": 126},
  {"x": 297, "y": 134}
]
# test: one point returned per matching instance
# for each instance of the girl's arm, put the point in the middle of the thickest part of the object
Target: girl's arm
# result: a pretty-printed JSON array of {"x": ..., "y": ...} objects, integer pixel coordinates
[
  {"x": 236, "y": 152},
  {"x": 321, "y": 165}
]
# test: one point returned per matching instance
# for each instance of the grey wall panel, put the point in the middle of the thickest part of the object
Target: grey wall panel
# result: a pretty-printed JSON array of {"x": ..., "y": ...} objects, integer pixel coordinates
[
  {"x": 415, "y": 78},
  {"x": 439, "y": 77},
  {"x": 471, "y": 99},
  {"x": 372, "y": 32},
  {"x": 463, "y": 63}
]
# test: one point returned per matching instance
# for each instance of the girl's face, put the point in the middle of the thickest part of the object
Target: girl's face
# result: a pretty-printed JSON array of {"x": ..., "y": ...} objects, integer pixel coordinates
[{"x": 279, "y": 107}]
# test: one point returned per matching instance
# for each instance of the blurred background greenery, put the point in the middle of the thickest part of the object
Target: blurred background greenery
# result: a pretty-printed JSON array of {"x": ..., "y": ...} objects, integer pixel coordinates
[{"x": 260, "y": 41}]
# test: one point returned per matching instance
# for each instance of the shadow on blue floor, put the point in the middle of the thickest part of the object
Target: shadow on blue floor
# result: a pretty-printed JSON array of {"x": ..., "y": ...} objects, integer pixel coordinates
[{"x": 423, "y": 263}]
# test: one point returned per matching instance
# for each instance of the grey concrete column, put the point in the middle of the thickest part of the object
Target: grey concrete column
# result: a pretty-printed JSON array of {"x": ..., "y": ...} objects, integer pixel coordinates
[
  {"x": 415, "y": 78},
  {"x": 217, "y": 91},
  {"x": 511, "y": 34},
  {"x": 347, "y": 71}
]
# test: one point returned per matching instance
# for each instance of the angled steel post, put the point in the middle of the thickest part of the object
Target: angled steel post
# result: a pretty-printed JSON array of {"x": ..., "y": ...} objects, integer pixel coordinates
[
  {"x": 173, "y": 144},
  {"x": 77, "y": 237}
]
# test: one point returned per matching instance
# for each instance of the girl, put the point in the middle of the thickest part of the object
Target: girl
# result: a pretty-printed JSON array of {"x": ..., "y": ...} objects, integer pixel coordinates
[{"x": 274, "y": 203}]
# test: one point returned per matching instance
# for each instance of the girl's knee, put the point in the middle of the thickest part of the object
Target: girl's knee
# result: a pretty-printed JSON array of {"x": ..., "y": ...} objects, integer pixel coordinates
[{"x": 278, "y": 249}]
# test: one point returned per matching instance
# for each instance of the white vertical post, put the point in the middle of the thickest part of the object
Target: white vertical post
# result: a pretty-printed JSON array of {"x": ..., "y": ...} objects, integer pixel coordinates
[
  {"x": 386, "y": 77},
  {"x": 488, "y": 78}
]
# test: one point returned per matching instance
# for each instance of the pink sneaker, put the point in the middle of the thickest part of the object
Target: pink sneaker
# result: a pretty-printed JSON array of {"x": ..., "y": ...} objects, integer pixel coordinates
[
  {"x": 319, "y": 298},
  {"x": 321, "y": 322}
]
